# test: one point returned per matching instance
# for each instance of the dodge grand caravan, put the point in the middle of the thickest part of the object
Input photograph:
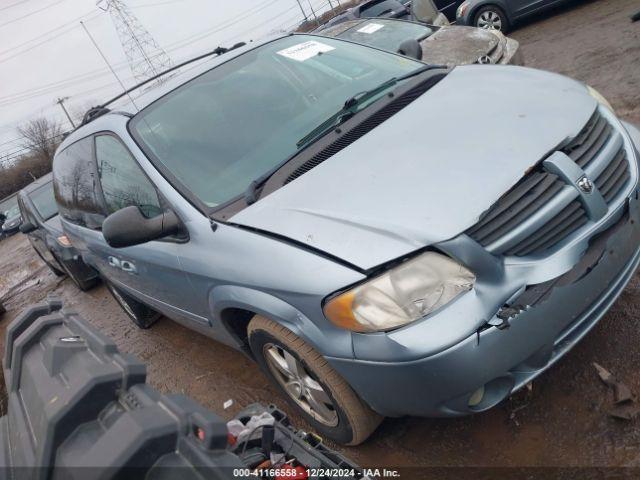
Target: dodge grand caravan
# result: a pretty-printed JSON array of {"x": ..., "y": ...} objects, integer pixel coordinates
[{"x": 342, "y": 215}]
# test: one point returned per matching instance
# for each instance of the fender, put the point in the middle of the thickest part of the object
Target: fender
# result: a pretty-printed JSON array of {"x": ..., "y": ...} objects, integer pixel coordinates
[{"x": 335, "y": 342}]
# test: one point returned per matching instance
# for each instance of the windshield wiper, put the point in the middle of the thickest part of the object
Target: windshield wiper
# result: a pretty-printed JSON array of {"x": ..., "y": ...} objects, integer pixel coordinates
[
  {"x": 351, "y": 105},
  {"x": 252, "y": 193}
]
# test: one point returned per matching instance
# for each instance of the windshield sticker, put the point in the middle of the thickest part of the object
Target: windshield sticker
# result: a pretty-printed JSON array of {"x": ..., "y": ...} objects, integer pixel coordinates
[
  {"x": 371, "y": 28},
  {"x": 304, "y": 51}
]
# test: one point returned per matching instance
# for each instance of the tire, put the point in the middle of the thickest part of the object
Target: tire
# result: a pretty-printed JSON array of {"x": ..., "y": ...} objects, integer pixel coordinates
[
  {"x": 346, "y": 419},
  {"x": 491, "y": 15},
  {"x": 143, "y": 316},
  {"x": 82, "y": 283}
]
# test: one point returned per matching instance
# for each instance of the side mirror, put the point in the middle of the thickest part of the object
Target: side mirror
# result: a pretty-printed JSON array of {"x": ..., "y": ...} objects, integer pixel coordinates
[
  {"x": 411, "y": 48},
  {"x": 27, "y": 227},
  {"x": 128, "y": 227}
]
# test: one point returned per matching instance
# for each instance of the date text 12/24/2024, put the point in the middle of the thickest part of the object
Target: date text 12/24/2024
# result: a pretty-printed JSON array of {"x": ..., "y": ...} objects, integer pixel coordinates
[{"x": 315, "y": 473}]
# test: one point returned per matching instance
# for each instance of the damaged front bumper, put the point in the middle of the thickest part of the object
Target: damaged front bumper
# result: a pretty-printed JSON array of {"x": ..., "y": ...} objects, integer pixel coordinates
[{"x": 525, "y": 334}]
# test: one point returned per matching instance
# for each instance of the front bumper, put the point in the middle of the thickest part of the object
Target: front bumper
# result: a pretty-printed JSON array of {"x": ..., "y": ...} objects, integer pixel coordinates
[
  {"x": 512, "y": 54},
  {"x": 10, "y": 229},
  {"x": 503, "y": 360}
]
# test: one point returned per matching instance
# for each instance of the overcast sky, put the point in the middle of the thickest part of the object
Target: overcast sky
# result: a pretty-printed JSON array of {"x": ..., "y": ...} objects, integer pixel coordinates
[{"x": 45, "y": 54}]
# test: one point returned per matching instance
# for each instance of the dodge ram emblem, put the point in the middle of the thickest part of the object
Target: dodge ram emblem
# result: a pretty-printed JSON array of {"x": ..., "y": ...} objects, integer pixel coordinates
[{"x": 585, "y": 185}]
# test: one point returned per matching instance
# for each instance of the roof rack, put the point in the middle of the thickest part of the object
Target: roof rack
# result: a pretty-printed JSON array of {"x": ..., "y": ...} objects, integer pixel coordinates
[{"x": 95, "y": 112}]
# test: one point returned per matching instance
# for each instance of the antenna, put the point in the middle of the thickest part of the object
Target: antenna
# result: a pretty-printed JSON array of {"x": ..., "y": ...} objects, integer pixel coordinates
[{"x": 145, "y": 56}]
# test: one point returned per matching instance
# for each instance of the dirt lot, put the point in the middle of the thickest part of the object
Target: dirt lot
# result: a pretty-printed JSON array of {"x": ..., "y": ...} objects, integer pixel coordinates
[{"x": 561, "y": 422}]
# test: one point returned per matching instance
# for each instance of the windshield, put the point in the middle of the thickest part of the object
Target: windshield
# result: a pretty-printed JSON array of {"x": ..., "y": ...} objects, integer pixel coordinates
[
  {"x": 44, "y": 201},
  {"x": 385, "y": 34},
  {"x": 13, "y": 212},
  {"x": 236, "y": 122}
]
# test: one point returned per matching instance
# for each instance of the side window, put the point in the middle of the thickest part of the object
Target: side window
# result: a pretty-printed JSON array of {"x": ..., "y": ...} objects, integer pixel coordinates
[
  {"x": 76, "y": 185},
  {"x": 123, "y": 181}
]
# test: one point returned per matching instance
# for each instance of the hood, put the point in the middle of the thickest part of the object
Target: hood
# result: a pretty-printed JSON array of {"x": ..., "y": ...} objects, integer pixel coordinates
[
  {"x": 453, "y": 45},
  {"x": 427, "y": 173}
]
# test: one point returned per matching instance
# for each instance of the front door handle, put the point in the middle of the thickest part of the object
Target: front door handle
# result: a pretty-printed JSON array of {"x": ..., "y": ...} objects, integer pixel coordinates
[{"x": 124, "y": 265}]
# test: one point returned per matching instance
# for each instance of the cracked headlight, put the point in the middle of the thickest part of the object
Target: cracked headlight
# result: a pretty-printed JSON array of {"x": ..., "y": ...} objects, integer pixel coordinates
[
  {"x": 401, "y": 295},
  {"x": 598, "y": 96}
]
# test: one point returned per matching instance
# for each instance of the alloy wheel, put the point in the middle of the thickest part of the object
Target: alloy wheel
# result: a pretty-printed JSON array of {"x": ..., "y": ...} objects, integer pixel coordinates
[
  {"x": 303, "y": 389},
  {"x": 490, "y": 20}
]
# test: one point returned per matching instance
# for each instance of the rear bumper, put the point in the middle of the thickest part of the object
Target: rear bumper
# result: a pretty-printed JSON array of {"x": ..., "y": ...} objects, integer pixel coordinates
[{"x": 504, "y": 360}]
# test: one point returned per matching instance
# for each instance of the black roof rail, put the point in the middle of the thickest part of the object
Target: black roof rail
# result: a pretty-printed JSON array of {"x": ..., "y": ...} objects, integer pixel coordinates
[{"x": 100, "y": 110}]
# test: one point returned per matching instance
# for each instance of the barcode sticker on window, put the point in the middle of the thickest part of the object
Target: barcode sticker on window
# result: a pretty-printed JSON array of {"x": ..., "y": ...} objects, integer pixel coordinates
[
  {"x": 305, "y": 51},
  {"x": 370, "y": 28}
]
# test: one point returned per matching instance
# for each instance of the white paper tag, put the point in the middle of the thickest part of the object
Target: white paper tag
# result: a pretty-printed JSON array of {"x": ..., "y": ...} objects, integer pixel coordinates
[
  {"x": 371, "y": 28},
  {"x": 304, "y": 51}
]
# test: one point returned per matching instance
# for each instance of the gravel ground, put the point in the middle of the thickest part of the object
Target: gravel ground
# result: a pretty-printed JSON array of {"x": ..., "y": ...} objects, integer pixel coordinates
[{"x": 561, "y": 422}]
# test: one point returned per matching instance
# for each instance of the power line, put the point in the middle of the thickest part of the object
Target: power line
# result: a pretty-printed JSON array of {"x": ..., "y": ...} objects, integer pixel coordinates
[
  {"x": 31, "y": 13},
  {"x": 155, "y": 4},
  {"x": 101, "y": 72},
  {"x": 145, "y": 55},
  {"x": 18, "y": 154},
  {"x": 14, "y": 4},
  {"x": 28, "y": 94},
  {"x": 73, "y": 23}
]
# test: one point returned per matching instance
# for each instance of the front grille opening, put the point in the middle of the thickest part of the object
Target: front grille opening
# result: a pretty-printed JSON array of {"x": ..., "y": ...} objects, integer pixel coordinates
[{"x": 540, "y": 188}]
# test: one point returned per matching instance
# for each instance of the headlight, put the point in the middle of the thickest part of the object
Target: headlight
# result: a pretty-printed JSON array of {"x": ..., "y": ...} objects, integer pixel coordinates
[
  {"x": 598, "y": 96},
  {"x": 462, "y": 9},
  {"x": 401, "y": 295}
]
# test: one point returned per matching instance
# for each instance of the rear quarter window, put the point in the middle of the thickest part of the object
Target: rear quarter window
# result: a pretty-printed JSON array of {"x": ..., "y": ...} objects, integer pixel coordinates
[{"x": 76, "y": 185}]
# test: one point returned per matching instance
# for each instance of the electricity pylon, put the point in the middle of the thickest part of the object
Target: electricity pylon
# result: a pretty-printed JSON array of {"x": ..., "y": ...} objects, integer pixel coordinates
[{"x": 145, "y": 56}]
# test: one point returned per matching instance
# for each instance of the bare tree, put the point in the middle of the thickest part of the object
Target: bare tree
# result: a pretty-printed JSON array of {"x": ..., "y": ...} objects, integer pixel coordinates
[{"x": 41, "y": 137}]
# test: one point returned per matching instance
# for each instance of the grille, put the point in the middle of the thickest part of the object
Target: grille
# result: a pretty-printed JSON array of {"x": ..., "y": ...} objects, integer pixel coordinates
[
  {"x": 589, "y": 141},
  {"x": 507, "y": 217}
]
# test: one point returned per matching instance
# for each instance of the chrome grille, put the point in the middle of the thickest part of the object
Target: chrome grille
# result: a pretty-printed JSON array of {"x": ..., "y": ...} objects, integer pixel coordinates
[
  {"x": 589, "y": 141},
  {"x": 542, "y": 210}
]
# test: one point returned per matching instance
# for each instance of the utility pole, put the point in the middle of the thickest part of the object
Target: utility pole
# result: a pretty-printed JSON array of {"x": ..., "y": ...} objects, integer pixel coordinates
[
  {"x": 304, "y": 14},
  {"x": 103, "y": 57},
  {"x": 64, "y": 109}
]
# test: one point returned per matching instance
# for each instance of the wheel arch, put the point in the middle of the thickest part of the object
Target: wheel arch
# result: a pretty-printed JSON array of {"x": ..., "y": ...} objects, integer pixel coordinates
[
  {"x": 490, "y": 3},
  {"x": 233, "y": 307}
]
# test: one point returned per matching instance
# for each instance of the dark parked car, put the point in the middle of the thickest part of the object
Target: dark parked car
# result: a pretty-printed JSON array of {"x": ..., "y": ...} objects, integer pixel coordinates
[
  {"x": 447, "y": 45},
  {"x": 12, "y": 220},
  {"x": 372, "y": 8},
  {"x": 499, "y": 14},
  {"x": 41, "y": 223},
  {"x": 446, "y": 7}
]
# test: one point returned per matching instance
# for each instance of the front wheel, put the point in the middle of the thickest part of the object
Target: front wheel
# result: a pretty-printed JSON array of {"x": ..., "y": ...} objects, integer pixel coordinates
[
  {"x": 491, "y": 18},
  {"x": 143, "y": 316},
  {"x": 323, "y": 397}
]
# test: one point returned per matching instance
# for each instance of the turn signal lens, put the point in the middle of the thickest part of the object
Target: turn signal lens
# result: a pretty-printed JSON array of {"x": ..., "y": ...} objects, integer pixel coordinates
[{"x": 64, "y": 241}]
